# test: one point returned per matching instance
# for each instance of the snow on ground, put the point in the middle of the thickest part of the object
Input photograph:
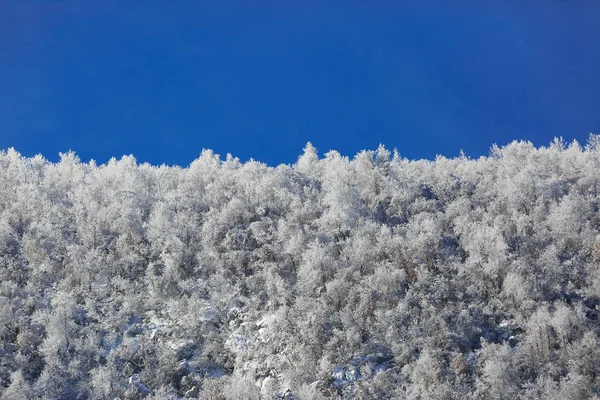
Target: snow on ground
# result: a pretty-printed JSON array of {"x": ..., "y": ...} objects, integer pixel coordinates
[{"x": 363, "y": 368}]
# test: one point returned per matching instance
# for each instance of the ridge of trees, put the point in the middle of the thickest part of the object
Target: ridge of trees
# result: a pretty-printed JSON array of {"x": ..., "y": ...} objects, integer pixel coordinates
[{"x": 370, "y": 277}]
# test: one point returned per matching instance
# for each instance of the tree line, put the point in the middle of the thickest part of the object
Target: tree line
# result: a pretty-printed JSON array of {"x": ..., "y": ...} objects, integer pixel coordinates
[{"x": 371, "y": 277}]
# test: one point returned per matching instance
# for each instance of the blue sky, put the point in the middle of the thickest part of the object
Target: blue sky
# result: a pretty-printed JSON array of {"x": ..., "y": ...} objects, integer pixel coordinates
[{"x": 162, "y": 79}]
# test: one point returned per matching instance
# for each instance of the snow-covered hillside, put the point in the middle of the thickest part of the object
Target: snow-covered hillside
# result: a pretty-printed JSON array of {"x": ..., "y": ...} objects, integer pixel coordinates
[{"x": 372, "y": 277}]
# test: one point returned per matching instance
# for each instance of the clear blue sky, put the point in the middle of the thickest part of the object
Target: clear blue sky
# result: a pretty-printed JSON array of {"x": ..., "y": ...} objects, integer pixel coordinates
[{"x": 163, "y": 79}]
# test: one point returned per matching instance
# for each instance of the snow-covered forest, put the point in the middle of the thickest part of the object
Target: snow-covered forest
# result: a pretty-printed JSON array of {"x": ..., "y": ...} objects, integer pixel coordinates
[{"x": 374, "y": 277}]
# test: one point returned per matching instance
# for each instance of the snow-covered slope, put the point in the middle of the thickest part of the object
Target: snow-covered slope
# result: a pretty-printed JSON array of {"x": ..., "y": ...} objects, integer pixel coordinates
[{"x": 375, "y": 277}]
